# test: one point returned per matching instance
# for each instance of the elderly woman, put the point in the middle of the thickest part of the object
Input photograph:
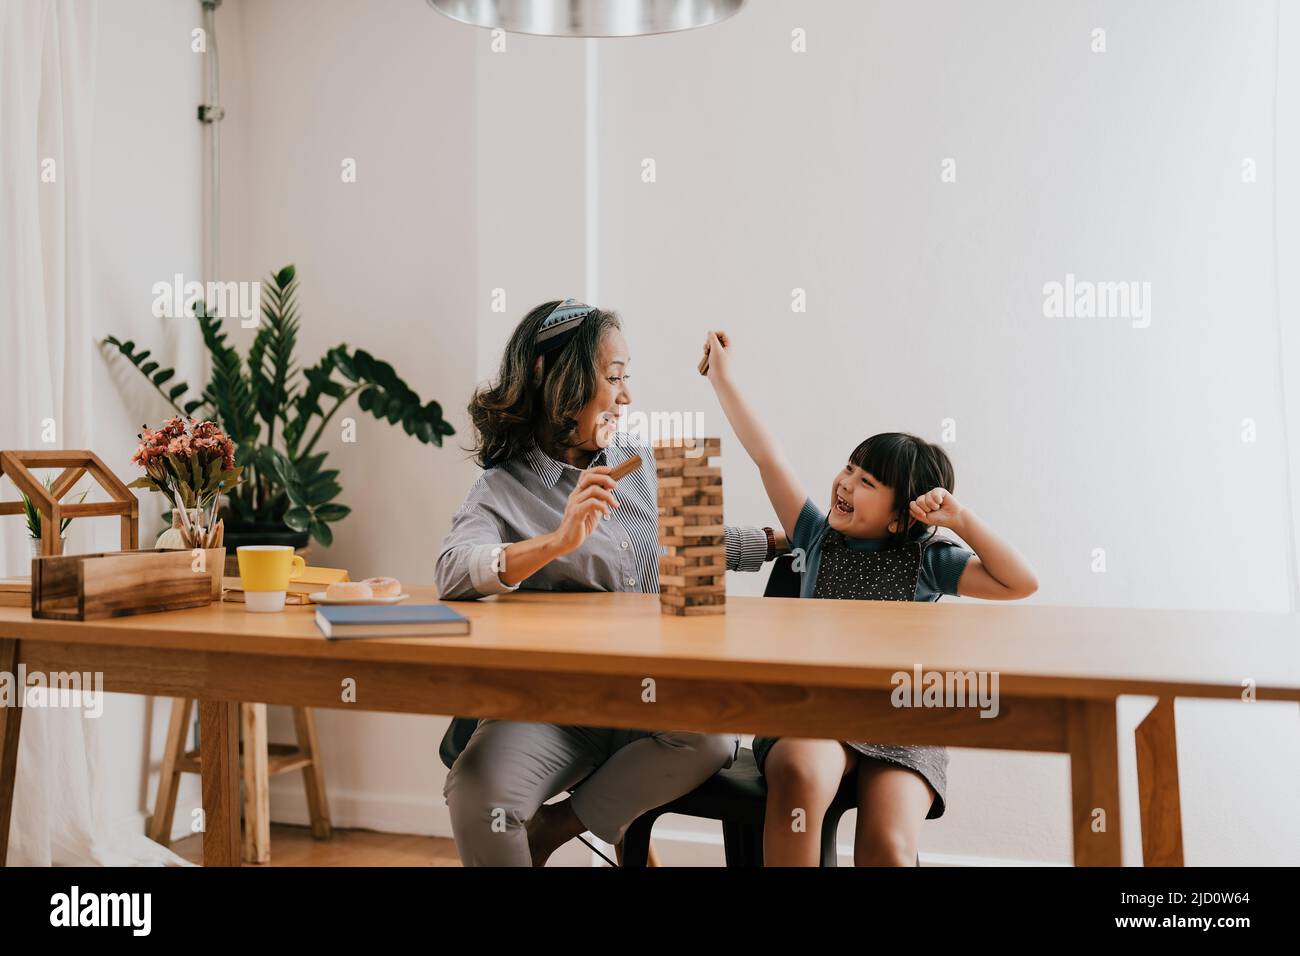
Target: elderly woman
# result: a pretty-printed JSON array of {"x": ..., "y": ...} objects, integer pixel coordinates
[{"x": 544, "y": 515}]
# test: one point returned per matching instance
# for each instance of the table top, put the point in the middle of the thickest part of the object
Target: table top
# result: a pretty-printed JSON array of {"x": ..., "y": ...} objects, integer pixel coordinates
[{"x": 1037, "y": 650}]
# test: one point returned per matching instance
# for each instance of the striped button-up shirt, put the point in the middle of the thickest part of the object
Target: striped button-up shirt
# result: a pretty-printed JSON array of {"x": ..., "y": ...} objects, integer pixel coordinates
[{"x": 524, "y": 498}]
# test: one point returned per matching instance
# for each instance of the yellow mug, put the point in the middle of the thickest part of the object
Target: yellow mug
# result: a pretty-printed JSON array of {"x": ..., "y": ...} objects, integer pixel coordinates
[{"x": 265, "y": 571}]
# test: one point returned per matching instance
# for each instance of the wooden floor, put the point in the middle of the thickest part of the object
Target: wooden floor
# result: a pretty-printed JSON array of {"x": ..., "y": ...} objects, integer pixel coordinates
[{"x": 294, "y": 846}]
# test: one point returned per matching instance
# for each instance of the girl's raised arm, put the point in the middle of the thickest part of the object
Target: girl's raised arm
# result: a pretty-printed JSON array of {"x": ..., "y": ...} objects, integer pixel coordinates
[{"x": 779, "y": 480}]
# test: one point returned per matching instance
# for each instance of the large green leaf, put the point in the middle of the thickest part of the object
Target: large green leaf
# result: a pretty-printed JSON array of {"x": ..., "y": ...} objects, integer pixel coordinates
[
  {"x": 309, "y": 466},
  {"x": 319, "y": 494},
  {"x": 151, "y": 371},
  {"x": 271, "y": 367},
  {"x": 321, "y": 477},
  {"x": 306, "y": 404},
  {"x": 228, "y": 390},
  {"x": 387, "y": 397},
  {"x": 322, "y": 533},
  {"x": 299, "y": 519}
]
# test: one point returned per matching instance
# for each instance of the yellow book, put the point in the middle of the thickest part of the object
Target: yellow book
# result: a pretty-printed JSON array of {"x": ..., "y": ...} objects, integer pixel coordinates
[{"x": 311, "y": 579}]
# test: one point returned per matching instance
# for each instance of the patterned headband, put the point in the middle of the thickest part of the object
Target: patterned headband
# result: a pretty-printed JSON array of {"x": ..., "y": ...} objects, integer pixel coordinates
[{"x": 560, "y": 326}]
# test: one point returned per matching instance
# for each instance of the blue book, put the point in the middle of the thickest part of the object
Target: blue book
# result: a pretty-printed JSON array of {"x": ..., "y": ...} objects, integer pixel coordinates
[{"x": 392, "y": 620}]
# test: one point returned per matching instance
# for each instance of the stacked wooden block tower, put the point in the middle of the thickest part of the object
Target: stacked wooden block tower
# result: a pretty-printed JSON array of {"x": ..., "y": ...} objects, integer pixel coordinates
[{"x": 693, "y": 562}]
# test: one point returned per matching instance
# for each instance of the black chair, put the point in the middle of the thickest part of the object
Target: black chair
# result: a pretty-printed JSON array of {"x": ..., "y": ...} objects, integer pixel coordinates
[
  {"x": 783, "y": 580},
  {"x": 455, "y": 739},
  {"x": 736, "y": 796}
]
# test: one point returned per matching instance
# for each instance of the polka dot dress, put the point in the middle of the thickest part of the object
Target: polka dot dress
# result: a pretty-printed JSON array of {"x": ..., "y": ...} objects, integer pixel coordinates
[{"x": 886, "y": 575}]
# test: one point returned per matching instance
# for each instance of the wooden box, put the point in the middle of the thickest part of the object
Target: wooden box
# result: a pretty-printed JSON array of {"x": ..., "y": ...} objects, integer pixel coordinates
[{"x": 84, "y": 587}]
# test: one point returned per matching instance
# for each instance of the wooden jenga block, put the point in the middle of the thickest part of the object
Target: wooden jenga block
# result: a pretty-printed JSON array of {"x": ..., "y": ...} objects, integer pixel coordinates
[{"x": 693, "y": 565}]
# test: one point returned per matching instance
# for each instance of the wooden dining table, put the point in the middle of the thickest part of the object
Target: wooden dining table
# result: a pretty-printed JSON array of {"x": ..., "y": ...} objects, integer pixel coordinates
[{"x": 773, "y": 666}]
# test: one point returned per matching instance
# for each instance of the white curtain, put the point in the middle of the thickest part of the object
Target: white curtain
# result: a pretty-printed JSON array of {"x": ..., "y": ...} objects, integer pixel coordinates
[{"x": 47, "y": 68}]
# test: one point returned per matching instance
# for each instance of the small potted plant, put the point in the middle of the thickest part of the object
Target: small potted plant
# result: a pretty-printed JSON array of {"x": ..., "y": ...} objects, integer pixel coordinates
[
  {"x": 191, "y": 463},
  {"x": 34, "y": 519}
]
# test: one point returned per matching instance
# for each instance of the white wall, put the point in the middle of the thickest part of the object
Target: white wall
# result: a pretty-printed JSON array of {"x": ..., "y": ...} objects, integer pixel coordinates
[
  {"x": 531, "y": 181},
  {"x": 1286, "y": 160},
  {"x": 776, "y": 170},
  {"x": 821, "y": 171}
]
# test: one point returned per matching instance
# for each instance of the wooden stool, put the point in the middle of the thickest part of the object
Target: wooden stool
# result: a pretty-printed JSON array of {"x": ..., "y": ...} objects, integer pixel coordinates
[{"x": 260, "y": 760}]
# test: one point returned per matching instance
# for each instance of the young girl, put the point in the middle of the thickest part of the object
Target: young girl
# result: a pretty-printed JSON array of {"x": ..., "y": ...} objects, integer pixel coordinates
[{"x": 875, "y": 540}]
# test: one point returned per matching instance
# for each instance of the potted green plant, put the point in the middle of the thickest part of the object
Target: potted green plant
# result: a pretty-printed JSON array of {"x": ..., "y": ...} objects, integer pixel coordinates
[
  {"x": 35, "y": 521},
  {"x": 276, "y": 413}
]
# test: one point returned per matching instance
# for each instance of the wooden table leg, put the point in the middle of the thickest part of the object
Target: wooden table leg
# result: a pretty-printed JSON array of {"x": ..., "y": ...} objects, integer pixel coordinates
[
  {"x": 257, "y": 791},
  {"x": 219, "y": 761},
  {"x": 1094, "y": 779},
  {"x": 1158, "y": 796},
  {"x": 11, "y": 721}
]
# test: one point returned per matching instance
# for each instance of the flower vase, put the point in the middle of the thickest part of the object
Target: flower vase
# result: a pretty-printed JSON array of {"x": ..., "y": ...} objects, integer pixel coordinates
[{"x": 180, "y": 538}]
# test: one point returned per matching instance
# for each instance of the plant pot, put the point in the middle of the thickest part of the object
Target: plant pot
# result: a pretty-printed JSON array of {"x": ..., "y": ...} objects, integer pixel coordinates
[
  {"x": 176, "y": 538},
  {"x": 240, "y": 533},
  {"x": 36, "y": 546}
]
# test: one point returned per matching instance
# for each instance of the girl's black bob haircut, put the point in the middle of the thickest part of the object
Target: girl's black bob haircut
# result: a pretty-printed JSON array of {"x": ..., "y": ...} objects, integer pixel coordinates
[{"x": 909, "y": 465}]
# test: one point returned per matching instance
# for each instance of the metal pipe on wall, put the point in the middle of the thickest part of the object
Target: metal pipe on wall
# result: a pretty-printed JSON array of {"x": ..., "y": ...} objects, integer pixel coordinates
[{"x": 211, "y": 114}]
